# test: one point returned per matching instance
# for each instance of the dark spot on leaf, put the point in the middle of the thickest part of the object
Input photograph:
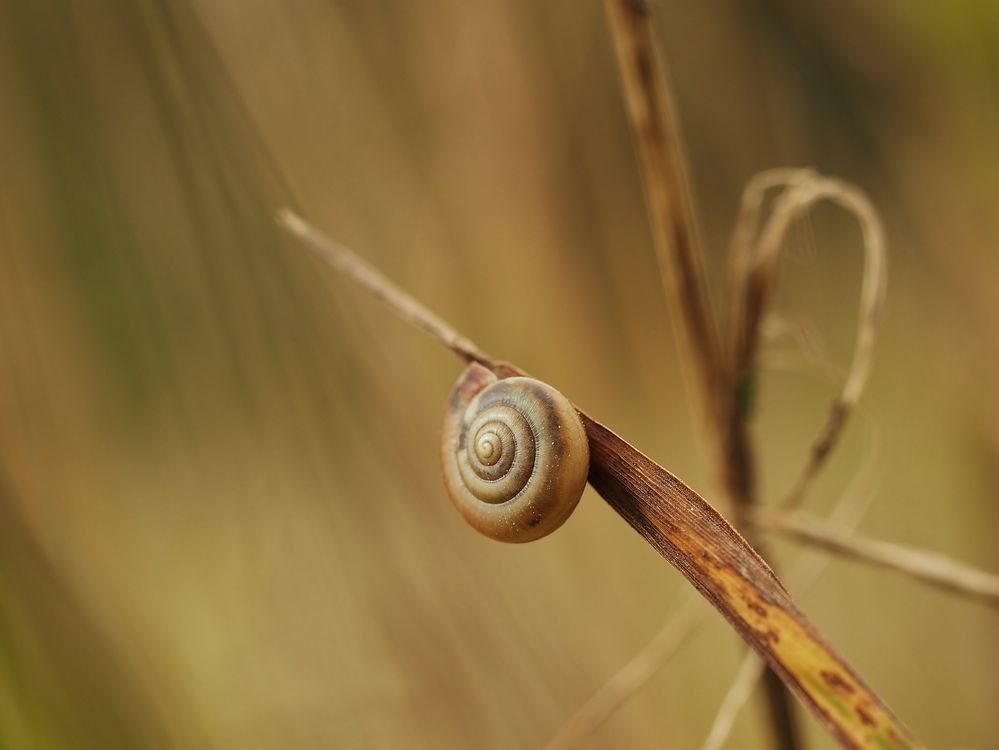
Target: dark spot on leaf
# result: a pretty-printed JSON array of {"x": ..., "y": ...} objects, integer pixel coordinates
[
  {"x": 865, "y": 717},
  {"x": 836, "y": 682}
]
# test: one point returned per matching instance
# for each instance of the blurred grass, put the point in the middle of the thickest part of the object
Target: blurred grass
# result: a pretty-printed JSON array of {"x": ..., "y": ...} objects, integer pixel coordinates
[{"x": 222, "y": 523}]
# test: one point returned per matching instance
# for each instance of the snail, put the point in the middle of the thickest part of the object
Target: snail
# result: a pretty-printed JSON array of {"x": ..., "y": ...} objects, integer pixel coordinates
[{"x": 514, "y": 454}]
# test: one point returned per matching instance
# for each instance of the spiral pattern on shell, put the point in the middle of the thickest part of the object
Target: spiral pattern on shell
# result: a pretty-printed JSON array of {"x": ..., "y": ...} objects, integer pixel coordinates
[{"x": 514, "y": 454}]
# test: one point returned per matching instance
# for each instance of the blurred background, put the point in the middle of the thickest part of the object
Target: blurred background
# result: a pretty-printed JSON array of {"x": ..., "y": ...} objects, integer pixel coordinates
[{"x": 221, "y": 519}]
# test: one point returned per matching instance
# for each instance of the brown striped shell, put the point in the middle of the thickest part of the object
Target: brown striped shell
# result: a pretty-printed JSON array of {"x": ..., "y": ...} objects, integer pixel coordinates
[{"x": 514, "y": 454}]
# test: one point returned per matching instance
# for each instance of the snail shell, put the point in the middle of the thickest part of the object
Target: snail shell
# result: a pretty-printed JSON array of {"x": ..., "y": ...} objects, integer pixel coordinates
[{"x": 514, "y": 454}]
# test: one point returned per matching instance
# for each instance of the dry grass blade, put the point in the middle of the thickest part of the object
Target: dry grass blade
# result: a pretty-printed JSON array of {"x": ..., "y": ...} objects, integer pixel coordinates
[
  {"x": 718, "y": 562},
  {"x": 755, "y": 262},
  {"x": 631, "y": 677},
  {"x": 694, "y": 537},
  {"x": 627, "y": 681},
  {"x": 849, "y": 511},
  {"x": 641, "y": 667},
  {"x": 928, "y": 567}
]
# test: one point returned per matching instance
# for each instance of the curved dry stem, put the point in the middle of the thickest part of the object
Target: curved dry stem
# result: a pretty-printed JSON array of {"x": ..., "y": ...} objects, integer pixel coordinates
[
  {"x": 747, "y": 225},
  {"x": 754, "y": 264}
]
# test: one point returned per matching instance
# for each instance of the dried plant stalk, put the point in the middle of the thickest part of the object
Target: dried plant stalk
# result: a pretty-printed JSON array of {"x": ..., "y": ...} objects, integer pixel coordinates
[
  {"x": 929, "y": 567},
  {"x": 671, "y": 214},
  {"x": 363, "y": 274}
]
